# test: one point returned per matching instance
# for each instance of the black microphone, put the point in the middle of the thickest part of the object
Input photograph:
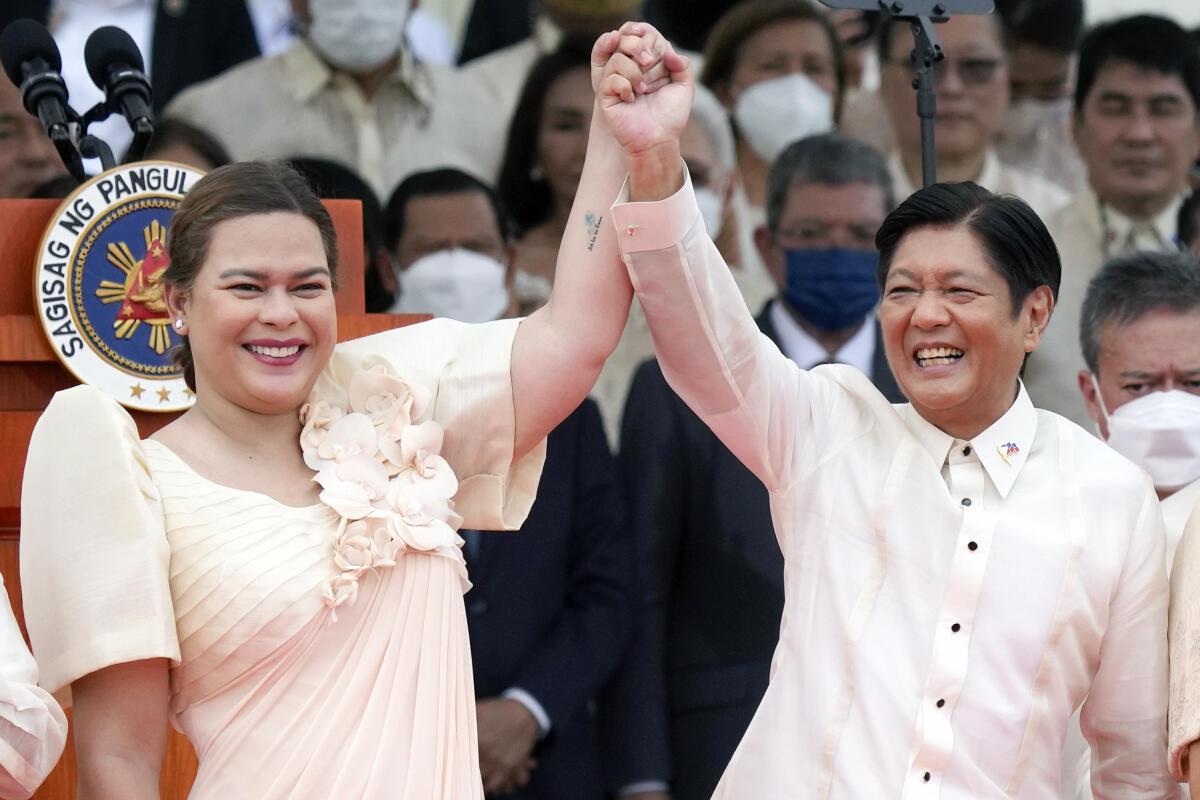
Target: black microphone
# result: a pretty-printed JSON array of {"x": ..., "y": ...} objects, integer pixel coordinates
[
  {"x": 32, "y": 62},
  {"x": 115, "y": 65}
]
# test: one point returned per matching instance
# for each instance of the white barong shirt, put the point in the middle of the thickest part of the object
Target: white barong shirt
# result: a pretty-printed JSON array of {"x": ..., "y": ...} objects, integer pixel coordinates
[{"x": 948, "y": 603}]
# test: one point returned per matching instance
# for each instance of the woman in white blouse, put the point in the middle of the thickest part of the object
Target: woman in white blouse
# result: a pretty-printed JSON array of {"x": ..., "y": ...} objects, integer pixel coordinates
[
  {"x": 33, "y": 728},
  {"x": 961, "y": 572}
]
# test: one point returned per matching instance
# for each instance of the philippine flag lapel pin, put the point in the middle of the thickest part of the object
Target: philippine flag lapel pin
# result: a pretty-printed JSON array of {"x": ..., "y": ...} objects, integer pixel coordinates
[{"x": 1007, "y": 451}]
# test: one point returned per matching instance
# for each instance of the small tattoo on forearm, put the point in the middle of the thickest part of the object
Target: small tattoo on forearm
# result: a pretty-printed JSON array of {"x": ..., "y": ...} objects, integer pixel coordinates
[{"x": 592, "y": 223}]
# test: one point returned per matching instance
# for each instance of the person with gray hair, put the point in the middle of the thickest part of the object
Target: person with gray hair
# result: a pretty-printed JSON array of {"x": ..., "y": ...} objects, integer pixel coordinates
[
  {"x": 1140, "y": 335},
  {"x": 826, "y": 197},
  {"x": 710, "y": 569}
]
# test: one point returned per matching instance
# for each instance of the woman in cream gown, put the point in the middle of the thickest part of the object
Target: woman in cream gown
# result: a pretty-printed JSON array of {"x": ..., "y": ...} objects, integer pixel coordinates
[
  {"x": 128, "y": 553},
  {"x": 308, "y": 638}
]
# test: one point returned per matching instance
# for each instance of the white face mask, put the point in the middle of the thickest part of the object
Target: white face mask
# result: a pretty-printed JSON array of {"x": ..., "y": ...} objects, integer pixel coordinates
[
  {"x": 357, "y": 35},
  {"x": 1026, "y": 119},
  {"x": 1160, "y": 432},
  {"x": 459, "y": 284},
  {"x": 773, "y": 114},
  {"x": 712, "y": 209}
]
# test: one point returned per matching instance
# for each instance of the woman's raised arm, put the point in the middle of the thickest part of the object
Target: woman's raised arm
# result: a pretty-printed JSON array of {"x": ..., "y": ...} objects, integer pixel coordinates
[{"x": 559, "y": 350}]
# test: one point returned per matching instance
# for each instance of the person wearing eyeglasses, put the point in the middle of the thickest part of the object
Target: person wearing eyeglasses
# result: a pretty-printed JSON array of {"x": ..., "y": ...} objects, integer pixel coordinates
[
  {"x": 1137, "y": 126},
  {"x": 972, "y": 96}
]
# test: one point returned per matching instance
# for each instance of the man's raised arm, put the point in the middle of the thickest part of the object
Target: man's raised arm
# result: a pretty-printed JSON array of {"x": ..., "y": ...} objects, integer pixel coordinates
[{"x": 707, "y": 343}]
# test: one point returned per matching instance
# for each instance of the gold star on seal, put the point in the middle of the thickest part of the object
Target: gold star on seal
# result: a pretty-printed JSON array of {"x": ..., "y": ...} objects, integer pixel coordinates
[
  {"x": 189, "y": 394},
  {"x": 163, "y": 395},
  {"x": 136, "y": 391}
]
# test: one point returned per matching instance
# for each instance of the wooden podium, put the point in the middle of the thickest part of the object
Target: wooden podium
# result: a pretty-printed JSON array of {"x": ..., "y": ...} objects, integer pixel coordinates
[{"x": 30, "y": 374}]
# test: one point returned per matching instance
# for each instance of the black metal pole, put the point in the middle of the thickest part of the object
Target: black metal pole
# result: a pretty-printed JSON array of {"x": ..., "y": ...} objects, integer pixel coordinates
[{"x": 926, "y": 54}]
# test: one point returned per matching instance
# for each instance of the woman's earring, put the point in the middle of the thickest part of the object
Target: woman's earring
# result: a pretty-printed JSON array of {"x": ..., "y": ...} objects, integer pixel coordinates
[{"x": 178, "y": 325}]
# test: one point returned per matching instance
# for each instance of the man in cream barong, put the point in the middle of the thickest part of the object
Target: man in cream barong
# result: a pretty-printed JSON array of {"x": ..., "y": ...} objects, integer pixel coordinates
[{"x": 962, "y": 571}]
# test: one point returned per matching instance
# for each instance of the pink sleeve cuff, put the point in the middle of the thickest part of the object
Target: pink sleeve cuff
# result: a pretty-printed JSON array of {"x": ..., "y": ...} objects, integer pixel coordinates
[{"x": 643, "y": 227}]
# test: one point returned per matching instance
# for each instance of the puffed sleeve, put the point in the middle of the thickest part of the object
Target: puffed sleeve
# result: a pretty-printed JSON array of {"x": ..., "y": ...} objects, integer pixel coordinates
[
  {"x": 94, "y": 553},
  {"x": 468, "y": 370}
]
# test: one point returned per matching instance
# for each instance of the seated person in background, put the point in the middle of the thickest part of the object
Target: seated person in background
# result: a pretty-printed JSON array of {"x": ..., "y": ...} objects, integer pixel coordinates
[
  {"x": 1137, "y": 126},
  {"x": 776, "y": 66},
  {"x": 333, "y": 181},
  {"x": 543, "y": 159},
  {"x": 176, "y": 140},
  {"x": 27, "y": 158},
  {"x": 713, "y": 578},
  {"x": 1043, "y": 45},
  {"x": 349, "y": 90},
  {"x": 501, "y": 73},
  {"x": 1140, "y": 336},
  {"x": 1189, "y": 223},
  {"x": 33, "y": 728},
  {"x": 972, "y": 96},
  {"x": 707, "y": 144},
  {"x": 550, "y": 607},
  {"x": 450, "y": 241}
]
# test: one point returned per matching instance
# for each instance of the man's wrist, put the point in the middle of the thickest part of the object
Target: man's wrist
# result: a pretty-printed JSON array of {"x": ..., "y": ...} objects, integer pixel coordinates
[
  {"x": 656, "y": 173},
  {"x": 537, "y": 714}
]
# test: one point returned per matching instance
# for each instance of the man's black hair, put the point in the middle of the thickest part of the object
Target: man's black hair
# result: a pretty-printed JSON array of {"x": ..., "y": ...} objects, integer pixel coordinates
[
  {"x": 1055, "y": 25},
  {"x": 445, "y": 180},
  {"x": 1013, "y": 237},
  {"x": 1153, "y": 43}
]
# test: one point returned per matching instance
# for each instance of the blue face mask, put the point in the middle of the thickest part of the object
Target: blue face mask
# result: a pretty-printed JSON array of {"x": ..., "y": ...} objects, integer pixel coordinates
[{"x": 832, "y": 289}]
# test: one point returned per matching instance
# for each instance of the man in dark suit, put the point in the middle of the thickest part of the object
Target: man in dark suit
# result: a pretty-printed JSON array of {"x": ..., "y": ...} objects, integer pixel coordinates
[
  {"x": 549, "y": 611},
  {"x": 192, "y": 40},
  {"x": 709, "y": 567},
  {"x": 549, "y": 617}
]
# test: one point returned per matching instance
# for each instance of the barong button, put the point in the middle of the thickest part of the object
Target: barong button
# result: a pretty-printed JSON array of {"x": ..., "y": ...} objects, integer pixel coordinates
[
  {"x": 941, "y": 703},
  {"x": 927, "y": 777},
  {"x": 972, "y": 546},
  {"x": 955, "y": 628},
  {"x": 966, "y": 501},
  {"x": 967, "y": 450}
]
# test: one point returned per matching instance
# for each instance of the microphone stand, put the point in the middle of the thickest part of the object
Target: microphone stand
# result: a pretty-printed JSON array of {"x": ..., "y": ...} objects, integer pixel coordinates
[
  {"x": 69, "y": 154},
  {"x": 925, "y": 55},
  {"x": 92, "y": 146},
  {"x": 922, "y": 14}
]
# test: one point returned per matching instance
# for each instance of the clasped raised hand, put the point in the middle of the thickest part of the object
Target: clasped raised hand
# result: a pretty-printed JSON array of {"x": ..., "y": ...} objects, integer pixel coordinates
[{"x": 643, "y": 87}]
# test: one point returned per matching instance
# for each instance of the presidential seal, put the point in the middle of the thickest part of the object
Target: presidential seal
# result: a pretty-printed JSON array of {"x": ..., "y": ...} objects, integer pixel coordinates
[{"x": 98, "y": 284}]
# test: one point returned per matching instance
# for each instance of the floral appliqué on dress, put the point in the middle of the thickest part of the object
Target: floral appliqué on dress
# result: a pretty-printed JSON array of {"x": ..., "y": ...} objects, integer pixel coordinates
[{"x": 380, "y": 469}]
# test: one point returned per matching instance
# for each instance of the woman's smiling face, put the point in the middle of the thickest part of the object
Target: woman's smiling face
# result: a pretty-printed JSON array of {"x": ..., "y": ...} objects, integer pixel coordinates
[{"x": 260, "y": 314}]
